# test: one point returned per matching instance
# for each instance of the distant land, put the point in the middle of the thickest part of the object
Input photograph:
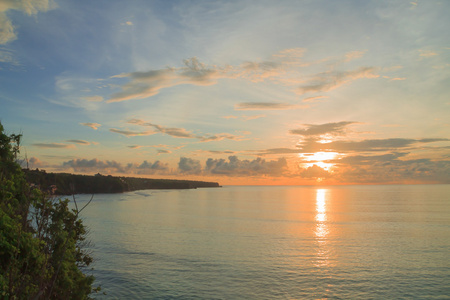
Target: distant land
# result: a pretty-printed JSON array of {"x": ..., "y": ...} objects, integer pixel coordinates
[{"x": 68, "y": 184}]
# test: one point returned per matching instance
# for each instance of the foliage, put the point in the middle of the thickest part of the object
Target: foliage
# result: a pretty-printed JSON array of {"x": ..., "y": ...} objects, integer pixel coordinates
[
  {"x": 41, "y": 240},
  {"x": 84, "y": 184}
]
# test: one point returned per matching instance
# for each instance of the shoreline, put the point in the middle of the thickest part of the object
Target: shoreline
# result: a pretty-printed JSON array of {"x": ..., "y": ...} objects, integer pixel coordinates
[{"x": 69, "y": 184}]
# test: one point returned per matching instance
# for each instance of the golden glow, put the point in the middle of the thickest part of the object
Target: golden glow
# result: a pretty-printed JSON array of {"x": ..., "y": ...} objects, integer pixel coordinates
[
  {"x": 325, "y": 141},
  {"x": 321, "y": 230},
  {"x": 318, "y": 159},
  {"x": 321, "y": 205}
]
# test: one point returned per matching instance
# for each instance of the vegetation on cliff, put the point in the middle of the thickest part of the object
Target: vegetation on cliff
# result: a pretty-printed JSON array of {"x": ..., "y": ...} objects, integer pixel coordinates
[
  {"x": 42, "y": 254},
  {"x": 67, "y": 184}
]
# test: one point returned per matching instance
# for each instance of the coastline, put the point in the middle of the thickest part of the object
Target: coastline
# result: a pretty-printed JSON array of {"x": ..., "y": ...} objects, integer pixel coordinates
[{"x": 68, "y": 184}]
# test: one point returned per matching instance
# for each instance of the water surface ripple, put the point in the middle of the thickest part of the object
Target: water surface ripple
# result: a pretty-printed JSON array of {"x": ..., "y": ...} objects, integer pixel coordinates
[{"x": 358, "y": 242}]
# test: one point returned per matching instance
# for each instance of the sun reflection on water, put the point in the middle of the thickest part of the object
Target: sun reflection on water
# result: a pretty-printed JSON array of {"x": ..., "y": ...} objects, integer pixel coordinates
[{"x": 321, "y": 229}]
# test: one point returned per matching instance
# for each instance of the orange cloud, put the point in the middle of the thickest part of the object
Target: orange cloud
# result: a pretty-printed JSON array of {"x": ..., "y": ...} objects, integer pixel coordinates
[{"x": 94, "y": 126}]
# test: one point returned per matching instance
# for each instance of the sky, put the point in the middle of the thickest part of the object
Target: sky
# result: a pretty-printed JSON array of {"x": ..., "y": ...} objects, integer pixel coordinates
[{"x": 256, "y": 92}]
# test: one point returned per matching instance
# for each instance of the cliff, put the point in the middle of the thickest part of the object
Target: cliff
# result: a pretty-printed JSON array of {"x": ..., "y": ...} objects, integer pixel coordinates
[{"x": 67, "y": 184}]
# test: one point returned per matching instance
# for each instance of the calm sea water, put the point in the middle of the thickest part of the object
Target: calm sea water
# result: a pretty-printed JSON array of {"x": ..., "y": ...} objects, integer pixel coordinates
[{"x": 352, "y": 242}]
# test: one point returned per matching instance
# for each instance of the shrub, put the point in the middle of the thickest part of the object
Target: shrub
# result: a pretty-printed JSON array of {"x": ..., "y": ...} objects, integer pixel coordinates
[{"x": 42, "y": 240}]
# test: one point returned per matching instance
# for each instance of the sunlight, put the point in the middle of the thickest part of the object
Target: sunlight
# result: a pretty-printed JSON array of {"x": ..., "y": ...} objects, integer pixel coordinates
[
  {"x": 319, "y": 159},
  {"x": 320, "y": 205},
  {"x": 322, "y": 229}
]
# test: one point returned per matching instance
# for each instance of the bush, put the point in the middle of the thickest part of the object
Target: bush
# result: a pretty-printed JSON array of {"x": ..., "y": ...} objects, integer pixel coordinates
[{"x": 42, "y": 241}]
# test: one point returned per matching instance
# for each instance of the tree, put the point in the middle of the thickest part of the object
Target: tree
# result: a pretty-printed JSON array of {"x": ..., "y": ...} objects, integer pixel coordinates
[{"x": 42, "y": 240}]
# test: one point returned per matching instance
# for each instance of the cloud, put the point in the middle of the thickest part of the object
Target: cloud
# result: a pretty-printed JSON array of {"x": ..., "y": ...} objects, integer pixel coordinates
[
  {"x": 220, "y": 152},
  {"x": 7, "y": 55},
  {"x": 245, "y": 118},
  {"x": 389, "y": 169},
  {"x": 375, "y": 145},
  {"x": 236, "y": 167},
  {"x": 146, "y": 84},
  {"x": 163, "y": 151},
  {"x": 189, "y": 166},
  {"x": 265, "y": 106},
  {"x": 427, "y": 53},
  {"x": 258, "y": 71},
  {"x": 333, "y": 129},
  {"x": 354, "y": 55},
  {"x": 330, "y": 80},
  {"x": 29, "y": 7},
  {"x": 314, "y": 99},
  {"x": 53, "y": 145},
  {"x": 281, "y": 68},
  {"x": 110, "y": 166},
  {"x": 183, "y": 133},
  {"x": 219, "y": 137},
  {"x": 314, "y": 172},
  {"x": 93, "y": 98},
  {"x": 278, "y": 151},
  {"x": 131, "y": 133},
  {"x": 149, "y": 168},
  {"x": 94, "y": 126},
  {"x": 35, "y": 162},
  {"x": 6, "y": 30},
  {"x": 368, "y": 159},
  {"x": 249, "y": 118},
  {"x": 172, "y": 131},
  {"x": 92, "y": 165},
  {"x": 80, "y": 142}
]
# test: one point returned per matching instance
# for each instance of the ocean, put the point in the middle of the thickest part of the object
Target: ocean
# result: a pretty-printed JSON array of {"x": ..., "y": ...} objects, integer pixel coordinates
[{"x": 272, "y": 242}]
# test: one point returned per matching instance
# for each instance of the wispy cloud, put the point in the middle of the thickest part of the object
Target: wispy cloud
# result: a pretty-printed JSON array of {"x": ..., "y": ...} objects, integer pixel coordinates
[
  {"x": 93, "y": 98},
  {"x": 219, "y": 137},
  {"x": 94, "y": 126},
  {"x": 172, "y": 131},
  {"x": 281, "y": 68},
  {"x": 131, "y": 133},
  {"x": 427, "y": 53},
  {"x": 147, "y": 84},
  {"x": 230, "y": 117},
  {"x": 375, "y": 145},
  {"x": 79, "y": 142},
  {"x": 389, "y": 168},
  {"x": 53, "y": 145},
  {"x": 163, "y": 151},
  {"x": 314, "y": 99},
  {"x": 219, "y": 151},
  {"x": 249, "y": 118},
  {"x": 183, "y": 133},
  {"x": 245, "y": 118},
  {"x": 155, "y": 146},
  {"x": 28, "y": 7},
  {"x": 333, "y": 129},
  {"x": 330, "y": 80},
  {"x": 7, "y": 55},
  {"x": 265, "y": 106},
  {"x": 276, "y": 151}
]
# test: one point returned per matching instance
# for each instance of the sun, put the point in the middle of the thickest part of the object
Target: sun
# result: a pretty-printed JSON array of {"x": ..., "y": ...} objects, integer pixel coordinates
[{"x": 319, "y": 158}]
